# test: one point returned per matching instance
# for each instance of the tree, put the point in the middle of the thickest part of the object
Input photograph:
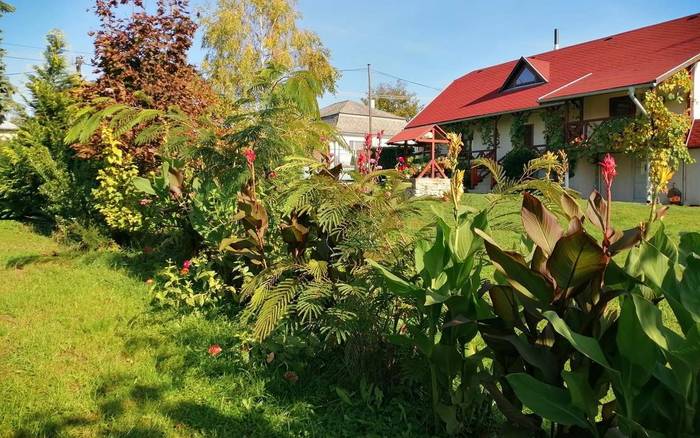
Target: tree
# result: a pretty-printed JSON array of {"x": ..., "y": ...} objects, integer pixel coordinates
[
  {"x": 142, "y": 61},
  {"x": 243, "y": 37},
  {"x": 40, "y": 173},
  {"x": 5, "y": 86},
  {"x": 396, "y": 99}
]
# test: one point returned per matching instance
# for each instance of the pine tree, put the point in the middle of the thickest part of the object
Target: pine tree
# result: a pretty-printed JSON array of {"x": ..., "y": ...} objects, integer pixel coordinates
[
  {"x": 5, "y": 86},
  {"x": 39, "y": 175}
]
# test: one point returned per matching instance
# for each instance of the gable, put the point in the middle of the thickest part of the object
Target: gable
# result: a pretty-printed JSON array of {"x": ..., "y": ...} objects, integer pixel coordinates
[
  {"x": 525, "y": 73},
  {"x": 637, "y": 58}
]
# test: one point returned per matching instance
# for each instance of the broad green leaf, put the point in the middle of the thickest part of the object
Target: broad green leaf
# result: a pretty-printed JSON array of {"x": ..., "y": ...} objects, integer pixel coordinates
[
  {"x": 422, "y": 246},
  {"x": 546, "y": 400},
  {"x": 576, "y": 259},
  {"x": 539, "y": 223},
  {"x": 586, "y": 345},
  {"x": 632, "y": 343},
  {"x": 434, "y": 258},
  {"x": 519, "y": 275},
  {"x": 460, "y": 240},
  {"x": 448, "y": 414},
  {"x": 661, "y": 242},
  {"x": 690, "y": 288},
  {"x": 581, "y": 393},
  {"x": 690, "y": 243},
  {"x": 143, "y": 185},
  {"x": 397, "y": 285},
  {"x": 537, "y": 356}
]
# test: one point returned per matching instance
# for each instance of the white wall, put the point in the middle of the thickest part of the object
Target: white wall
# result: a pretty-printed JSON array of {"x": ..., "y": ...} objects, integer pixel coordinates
[
  {"x": 687, "y": 180},
  {"x": 695, "y": 104},
  {"x": 343, "y": 154}
]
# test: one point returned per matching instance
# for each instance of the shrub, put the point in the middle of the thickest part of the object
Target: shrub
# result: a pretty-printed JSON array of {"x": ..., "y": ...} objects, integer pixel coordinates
[
  {"x": 194, "y": 283},
  {"x": 515, "y": 160}
]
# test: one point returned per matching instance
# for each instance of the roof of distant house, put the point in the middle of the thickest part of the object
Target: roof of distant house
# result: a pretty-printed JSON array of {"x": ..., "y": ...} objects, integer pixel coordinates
[
  {"x": 356, "y": 108},
  {"x": 639, "y": 57},
  {"x": 352, "y": 119}
]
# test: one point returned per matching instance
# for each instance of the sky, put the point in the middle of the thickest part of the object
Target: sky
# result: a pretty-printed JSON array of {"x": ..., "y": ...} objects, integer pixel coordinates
[{"x": 430, "y": 43}]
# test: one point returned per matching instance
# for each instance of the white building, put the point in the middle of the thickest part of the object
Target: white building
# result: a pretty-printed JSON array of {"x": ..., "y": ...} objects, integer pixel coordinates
[{"x": 351, "y": 119}]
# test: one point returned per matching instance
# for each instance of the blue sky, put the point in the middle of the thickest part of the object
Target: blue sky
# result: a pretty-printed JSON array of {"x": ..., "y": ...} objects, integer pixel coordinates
[{"x": 429, "y": 42}]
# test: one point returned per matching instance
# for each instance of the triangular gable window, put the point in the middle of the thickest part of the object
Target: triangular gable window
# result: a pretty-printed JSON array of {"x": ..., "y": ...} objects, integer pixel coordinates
[{"x": 523, "y": 74}]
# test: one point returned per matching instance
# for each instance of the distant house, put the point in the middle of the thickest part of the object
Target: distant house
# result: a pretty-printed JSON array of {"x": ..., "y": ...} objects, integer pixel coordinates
[
  {"x": 351, "y": 119},
  {"x": 589, "y": 83},
  {"x": 8, "y": 130}
]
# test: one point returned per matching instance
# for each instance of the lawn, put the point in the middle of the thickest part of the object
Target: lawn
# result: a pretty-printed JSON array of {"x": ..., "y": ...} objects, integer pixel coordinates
[{"x": 82, "y": 353}]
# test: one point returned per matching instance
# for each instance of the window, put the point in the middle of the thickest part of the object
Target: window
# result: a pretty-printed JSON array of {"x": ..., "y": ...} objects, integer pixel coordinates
[
  {"x": 529, "y": 136},
  {"x": 622, "y": 107},
  {"x": 524, "y": 76}
]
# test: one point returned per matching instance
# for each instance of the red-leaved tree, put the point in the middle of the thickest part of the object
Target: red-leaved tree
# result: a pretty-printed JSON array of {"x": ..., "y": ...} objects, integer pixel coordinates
[{"x": 141, "y": 61}]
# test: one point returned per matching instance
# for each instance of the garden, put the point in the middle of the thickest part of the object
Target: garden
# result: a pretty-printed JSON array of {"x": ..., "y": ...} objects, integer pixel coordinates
[{"x": 182, "y": 257}]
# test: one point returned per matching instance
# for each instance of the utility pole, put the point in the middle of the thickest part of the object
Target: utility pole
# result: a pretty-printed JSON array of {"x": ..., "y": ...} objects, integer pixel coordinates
[{"x": 369, "y": 96}]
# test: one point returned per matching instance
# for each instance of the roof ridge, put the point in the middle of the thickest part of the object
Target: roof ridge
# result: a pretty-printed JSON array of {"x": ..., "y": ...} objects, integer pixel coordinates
[{"x": 477, "y": 70}]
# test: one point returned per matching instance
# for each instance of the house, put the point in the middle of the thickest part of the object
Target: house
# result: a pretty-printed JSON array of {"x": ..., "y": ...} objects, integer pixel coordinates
[
  {"x": 588, "y": 83},
  {"x": 352, "y": 121},
  {"x": 8, "y": 130}
]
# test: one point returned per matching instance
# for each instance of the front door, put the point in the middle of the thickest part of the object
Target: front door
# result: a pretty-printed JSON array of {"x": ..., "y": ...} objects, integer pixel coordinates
[{"x": 640, "y": 169}]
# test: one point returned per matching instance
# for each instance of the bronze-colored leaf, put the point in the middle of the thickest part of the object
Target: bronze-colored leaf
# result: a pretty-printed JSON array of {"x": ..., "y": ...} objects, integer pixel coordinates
[{"x": 539, "y": 223}]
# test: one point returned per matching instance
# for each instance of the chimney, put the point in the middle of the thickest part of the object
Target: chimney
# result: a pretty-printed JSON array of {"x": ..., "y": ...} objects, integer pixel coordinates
[{"x": 556, "y": 39}]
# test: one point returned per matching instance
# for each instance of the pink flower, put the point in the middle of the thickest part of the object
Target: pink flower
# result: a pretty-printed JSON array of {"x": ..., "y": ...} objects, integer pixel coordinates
[
  {"x": 186, "y": 264},
  {"x": 608, "y": 169},
  {"x": 402, "y": 160},
  {"x": 144, "y": 202},
  {"x": 215, "y": 350},
  {"x": 249, "y": 155}
]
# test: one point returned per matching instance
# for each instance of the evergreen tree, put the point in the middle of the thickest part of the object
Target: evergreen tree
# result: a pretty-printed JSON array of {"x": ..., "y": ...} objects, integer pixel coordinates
[
  {"x": 5, "y": 86},
  {"x": 39, "y": 175}
]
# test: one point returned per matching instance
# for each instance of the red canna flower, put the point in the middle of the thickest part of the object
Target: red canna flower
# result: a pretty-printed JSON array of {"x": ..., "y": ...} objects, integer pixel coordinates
[
  {"x": 608, "y": 169},
  {"x": 249, "y": 155},
  {"x": 215, "y": 350}
]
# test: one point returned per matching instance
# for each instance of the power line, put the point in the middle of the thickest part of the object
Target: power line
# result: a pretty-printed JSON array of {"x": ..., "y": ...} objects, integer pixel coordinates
[
  {"x": 392, "y": 76},
  {"x": 27, "y": 46},
  {"x": 406, "y": 80},
  {"x": 22, "y": 58}
]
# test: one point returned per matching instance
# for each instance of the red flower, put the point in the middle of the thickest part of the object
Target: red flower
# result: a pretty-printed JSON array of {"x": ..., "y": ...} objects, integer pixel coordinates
[
  {"x": 608, "y": 169},
  {"x": 272, "y": 174},
  {"x": 249, "y": 155},
  {"x": 215, "y": 350},
  {"x": 184, "y": 271}
]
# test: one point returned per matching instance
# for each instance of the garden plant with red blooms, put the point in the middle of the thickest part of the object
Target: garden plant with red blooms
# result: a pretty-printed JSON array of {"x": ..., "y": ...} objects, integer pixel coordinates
[{"x": 215, "y": 350}]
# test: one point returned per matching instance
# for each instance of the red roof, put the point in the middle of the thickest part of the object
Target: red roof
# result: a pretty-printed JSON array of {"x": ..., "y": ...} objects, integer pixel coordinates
[
  {"x": 694, "y": 135},
  {"x": 637, "y": 57}
]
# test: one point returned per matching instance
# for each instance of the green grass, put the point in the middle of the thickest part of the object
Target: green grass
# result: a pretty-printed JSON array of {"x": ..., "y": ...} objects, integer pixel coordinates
[{"x": 83, "y": 354}]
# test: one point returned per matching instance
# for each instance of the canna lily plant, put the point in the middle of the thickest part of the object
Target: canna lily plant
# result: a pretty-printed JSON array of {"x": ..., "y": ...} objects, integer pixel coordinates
[{"x": 572, "y": 327}]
